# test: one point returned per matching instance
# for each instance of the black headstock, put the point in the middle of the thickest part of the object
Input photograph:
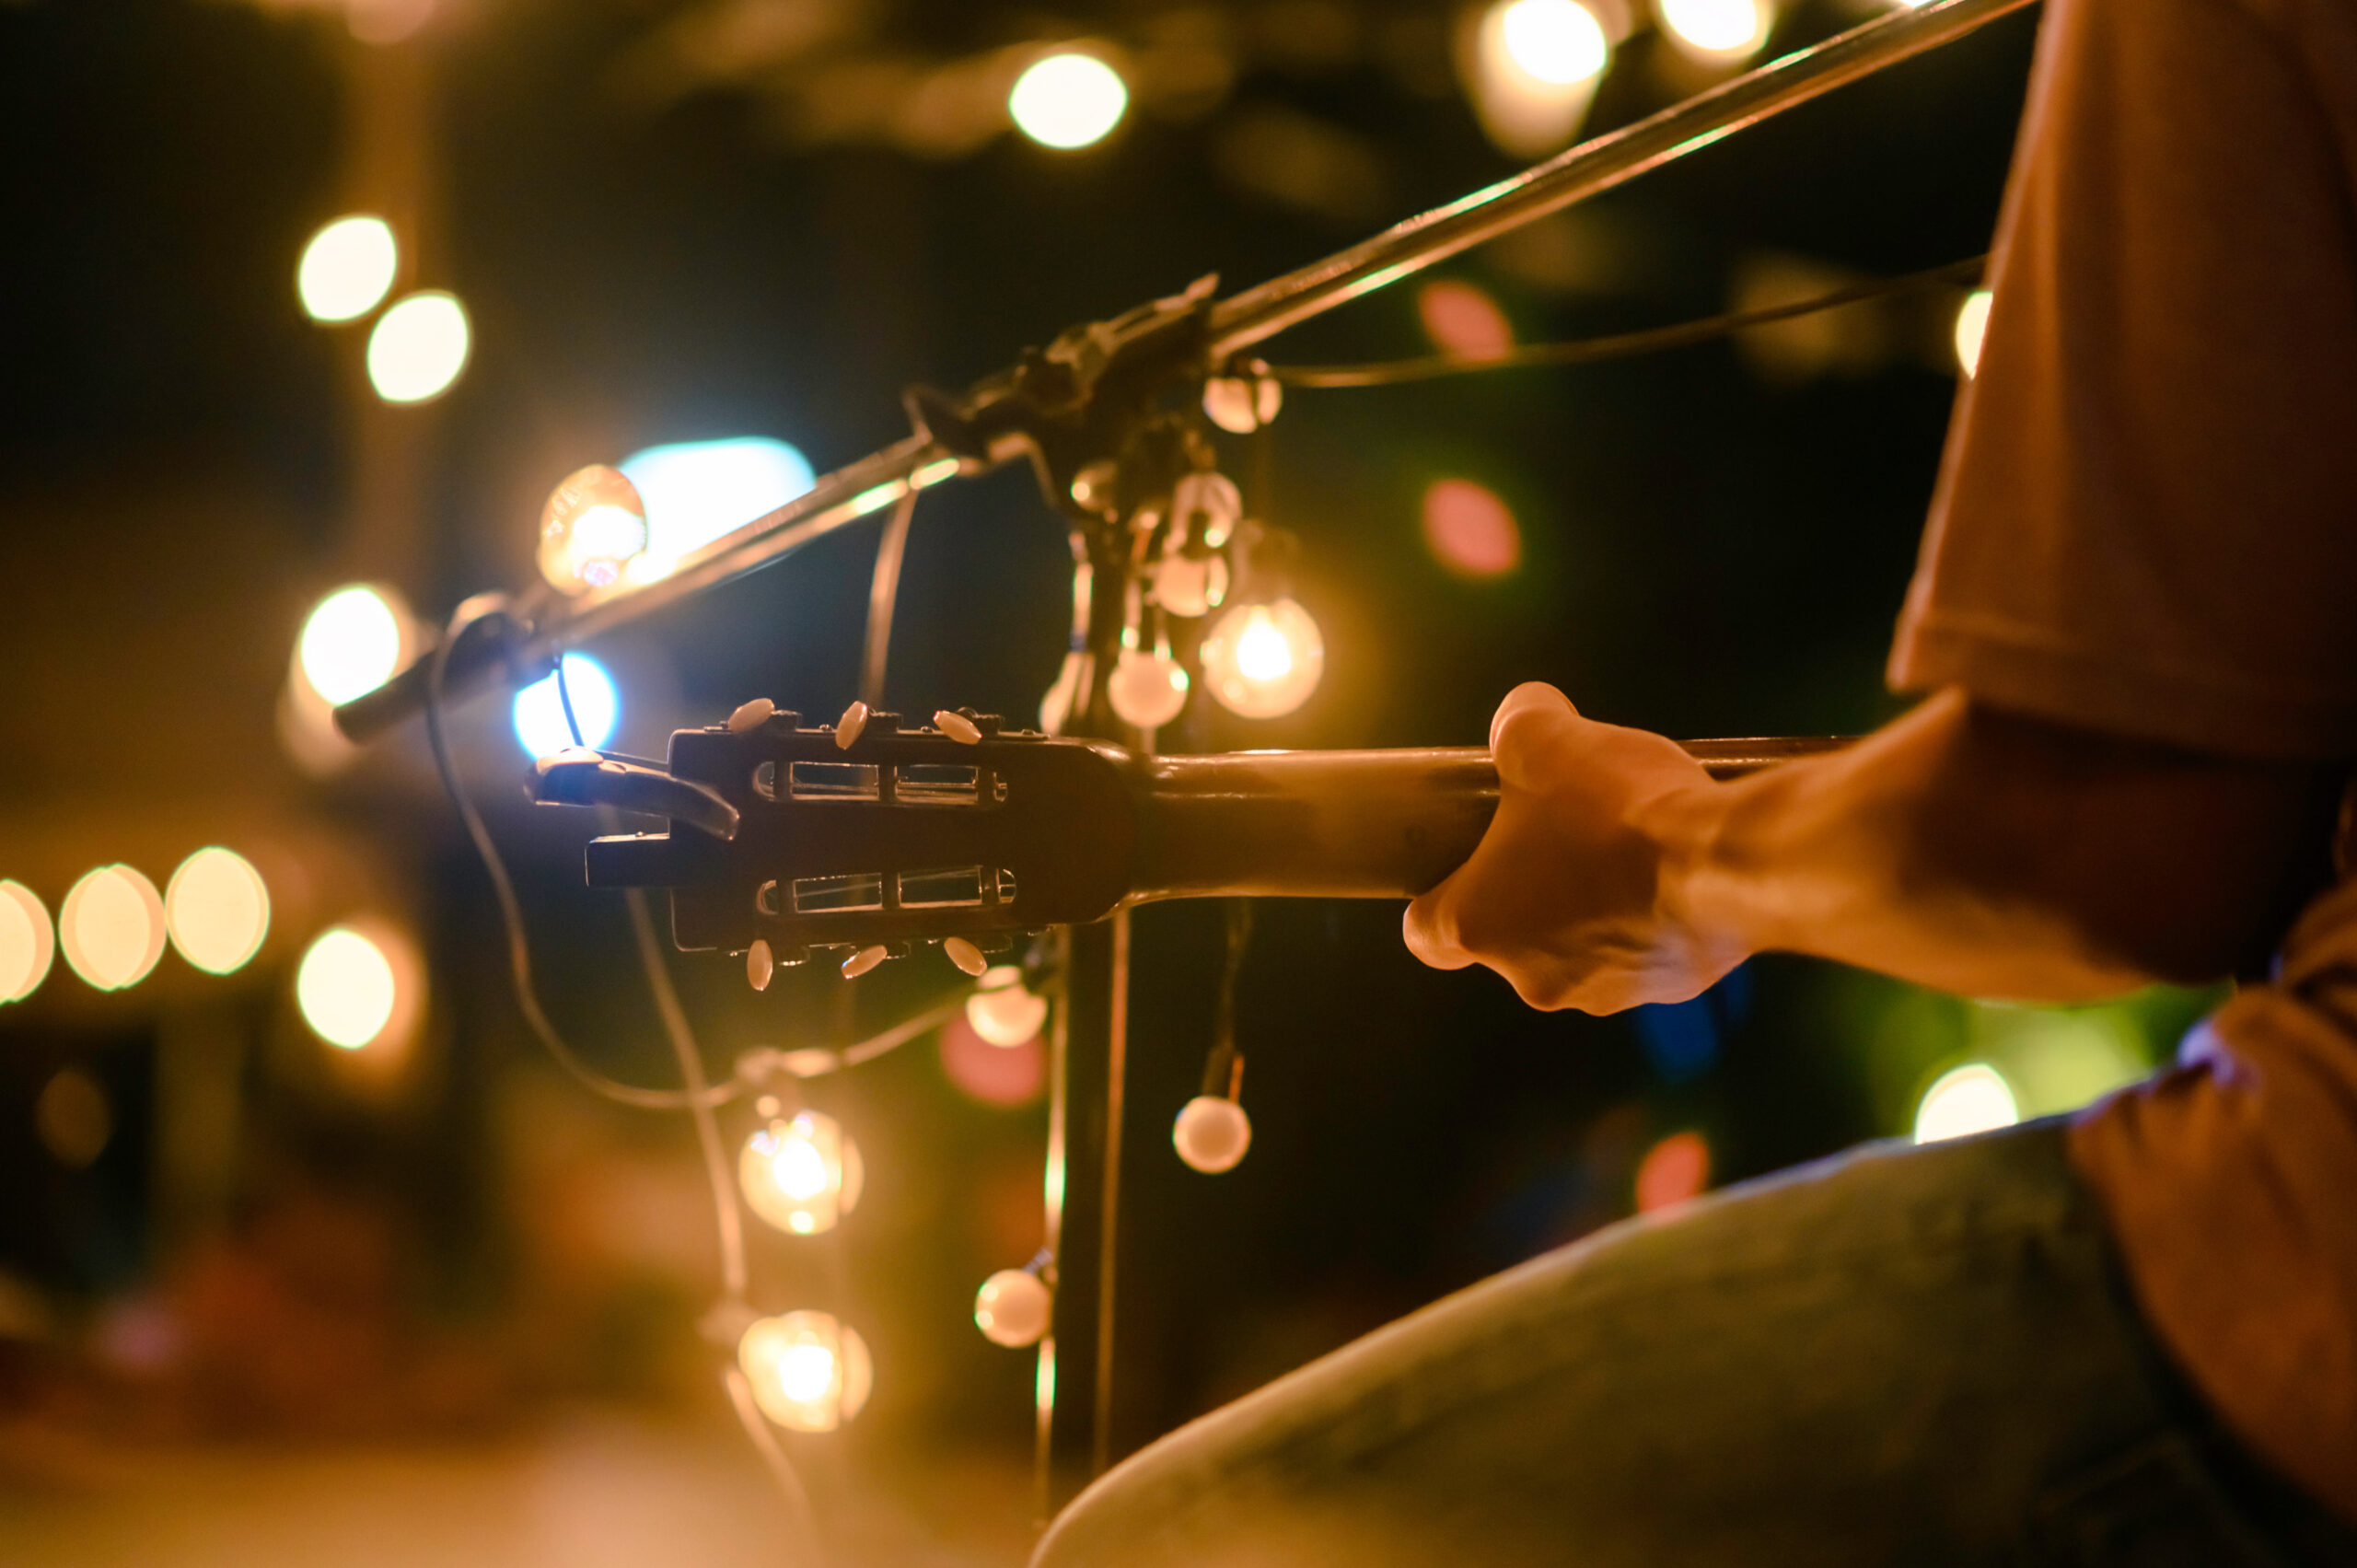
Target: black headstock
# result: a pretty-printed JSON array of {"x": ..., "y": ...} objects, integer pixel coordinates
[{"x": 967, "y": 831}]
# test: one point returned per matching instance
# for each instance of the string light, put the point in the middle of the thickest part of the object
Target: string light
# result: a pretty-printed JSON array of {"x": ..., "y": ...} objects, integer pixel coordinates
[
  {"x": 1971, "y": 328},
  {"x": 1013, "y": 1309},
  {"x": 347, "y": 268},
  {"x": 1263, "y": 660},
  {"x": 593, "y": 528},
  {"x": 350, "y": 642},
  {"x": 418, "y": 347},
  {"x": 1003, "y": 1010},
  {"x": 1212, "y": 1134},
  {"x": 1717, "y": 30},
  {"x": 696, "y": 491},
  {"x": 1068, "y": 100},
  {"x": 538, "y": 711},
  {"x": 809, "y": 1372},
  {"x": 358, "y": 987},
  {"x": 28, "y": 945},
  {"x": 216, "y": 910},
  {"x": 1535, "y": 64},
  {"x": 801, "y": 1175},
  {"x": 1973, "y": 1099},
  {"x": 111, "y": 927}
]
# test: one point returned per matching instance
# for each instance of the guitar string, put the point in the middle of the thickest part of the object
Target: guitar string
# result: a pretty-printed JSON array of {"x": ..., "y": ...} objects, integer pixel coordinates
[{"x": 1621, "y": 345}]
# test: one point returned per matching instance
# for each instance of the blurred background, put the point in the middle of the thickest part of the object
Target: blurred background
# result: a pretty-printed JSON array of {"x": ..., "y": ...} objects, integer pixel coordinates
[{"x": 308, "y": 1256}]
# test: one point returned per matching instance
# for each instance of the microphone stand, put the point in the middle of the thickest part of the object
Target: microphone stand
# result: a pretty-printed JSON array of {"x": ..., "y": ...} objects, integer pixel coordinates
[{"x": 1093, "y": 401}]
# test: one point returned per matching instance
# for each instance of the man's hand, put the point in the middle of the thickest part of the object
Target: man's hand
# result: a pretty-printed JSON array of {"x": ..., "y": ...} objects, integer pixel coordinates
[{"x": 1567, "y": 894}]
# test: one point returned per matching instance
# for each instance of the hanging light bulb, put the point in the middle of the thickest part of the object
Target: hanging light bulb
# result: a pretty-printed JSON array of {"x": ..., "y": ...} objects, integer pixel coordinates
[
  {"x": 809, "y": 1372},
  {"x": 1147, "y": 689},
  {"x": 1003, "y": 1009},
  {"x": 1263, "y": 660},
  {"x": 1012, "y": 1307},
  {"x": 1212, "y": 1134},
  {"x": 592, "y": 528},
  {"x": 802, "y": 1174}
]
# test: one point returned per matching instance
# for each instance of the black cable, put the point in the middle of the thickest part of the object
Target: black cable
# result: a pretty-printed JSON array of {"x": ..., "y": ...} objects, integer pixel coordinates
[
  {"x": 1588, "y": 351},
  {"x": 511, "y": 914}
]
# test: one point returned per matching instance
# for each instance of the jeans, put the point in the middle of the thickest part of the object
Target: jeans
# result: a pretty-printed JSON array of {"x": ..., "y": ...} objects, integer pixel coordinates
[{"x": 1900, "y": 1355}]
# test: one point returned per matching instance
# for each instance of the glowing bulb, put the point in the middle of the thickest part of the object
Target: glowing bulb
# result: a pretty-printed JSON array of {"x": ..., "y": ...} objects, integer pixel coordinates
[
  {"x": 1262, "y": 660},
  {"x": 539, "y": 708},
  {"x": 1971, "y": 327},
  {"x": 1012, "y": 1308},
  {"x": 1718, "y": 29},
  {"x": 1212, "y": 1134},
  {"x": 351, "y": 643},
  {"x": 347, "y": 267},
  {"x": 802, "y": 1174},
  {"x": 216, "y": 910},
  {"x": 1003, "y": 1010},
  {"x": 418, "y": 347},
  {"x": 112, "y": 926},
  {"x": 1147, "y": 689},
  {"x": 1973, "y": 1099},
  {"x": 809, "y": 1373},
  {"x": 349, "y": 988},
  {"x": 1190, "y": 584},
  {"x": 696, "y": 491},
  {"x": 592, "y": 526},
  {"x": 1068, "y": 100},
  {"x": 1556, "y": 42},
  {"x": 28, "y": 945}
]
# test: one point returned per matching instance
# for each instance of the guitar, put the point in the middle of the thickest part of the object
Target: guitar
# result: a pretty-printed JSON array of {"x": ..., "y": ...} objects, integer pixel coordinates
[{"x": 877, "y": 834}]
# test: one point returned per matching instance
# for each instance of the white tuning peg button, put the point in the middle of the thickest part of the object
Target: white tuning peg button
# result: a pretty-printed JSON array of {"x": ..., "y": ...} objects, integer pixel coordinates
[
  {"x": 965, "y": 955},
  {"x": 866, "y": 959},
  {"x": 752, "y": 716},
  {"x": 1212, "y": 1134},
  {"x": 760, "y": 964},
  {"x": 848, "y": 727},
  {"x": 1012, "y": 1308},
  {"x": 958, "y": 727}
]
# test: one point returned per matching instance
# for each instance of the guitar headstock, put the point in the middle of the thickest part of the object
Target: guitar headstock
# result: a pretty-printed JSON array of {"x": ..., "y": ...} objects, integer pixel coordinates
[{"x": 904, "y": 833}]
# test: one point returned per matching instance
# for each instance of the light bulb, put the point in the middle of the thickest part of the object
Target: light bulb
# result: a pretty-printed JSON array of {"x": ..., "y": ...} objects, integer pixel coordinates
[
  {"x": 111, "y": 927},
  {"x": 1147, "y": 689},
  {"x": 1717, "y": 30},
  {"x": 349, "y": 988},
  {"x": 1262, "y": 660},
  {"x": 1003, "y": 1009},
  {"x": 1212, "y": 1134},
  {"x": 1971, "y": 327},
  {"x": 27, "y": 943},
  {"x": 1973, "y": 1099},
  {"x": 808, "y": 1372},
  {"x": 418, "y": 347},
  {"x": 216, "y": 910},
  {"x": 350, "y": 642},
  {"x": 1068, "y": 100},
  {"x": 1190, "y": 584},
  {"x": 1205, "y": 506},
  {"x": 1559, "y": 43},
  {"x": 346, "y": 268},
  {"x": 801, "y": 1175},
  {"x": 1012, "y": 1308},
  {"x": 592, "y": 526}
]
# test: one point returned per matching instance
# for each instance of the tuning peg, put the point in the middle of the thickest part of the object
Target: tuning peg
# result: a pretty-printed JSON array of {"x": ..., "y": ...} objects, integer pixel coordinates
[
  {"x": 752, "y": 716},
  {"x": 849, "y": 727},
  {"x": 866, "y": 959},
  {"x": 957, "y": 726},
  {"x": 965, "y": 955},
  {"x": 759, "y": 964}
]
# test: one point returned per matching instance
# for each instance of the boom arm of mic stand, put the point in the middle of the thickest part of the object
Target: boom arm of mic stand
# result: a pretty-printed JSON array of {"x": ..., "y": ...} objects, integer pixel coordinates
[{"x": 1174, "y": 337}]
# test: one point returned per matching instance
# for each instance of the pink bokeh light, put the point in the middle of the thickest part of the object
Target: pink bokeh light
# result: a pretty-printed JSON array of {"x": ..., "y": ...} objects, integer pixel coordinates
[{"x": 1469, "y": 530}]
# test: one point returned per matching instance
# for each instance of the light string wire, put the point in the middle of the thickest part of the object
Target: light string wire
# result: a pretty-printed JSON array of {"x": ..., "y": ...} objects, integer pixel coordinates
[
  {"x": 883, "y": 593},
  {"x": 1623, "y": 345}
]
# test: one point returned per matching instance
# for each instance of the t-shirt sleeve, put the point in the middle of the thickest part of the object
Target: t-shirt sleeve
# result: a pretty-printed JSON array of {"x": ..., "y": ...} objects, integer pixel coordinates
[{"x": 2146, "y": 522}]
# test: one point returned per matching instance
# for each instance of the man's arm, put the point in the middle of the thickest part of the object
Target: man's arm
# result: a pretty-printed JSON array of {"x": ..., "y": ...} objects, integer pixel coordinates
[{"x": 1961, "y": 847}]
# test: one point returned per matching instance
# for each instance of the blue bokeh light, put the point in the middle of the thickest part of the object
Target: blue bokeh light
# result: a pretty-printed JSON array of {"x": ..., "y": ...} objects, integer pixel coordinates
[
  {"x": 539, "y": 712},
  {"x": 696, "y": 491}
]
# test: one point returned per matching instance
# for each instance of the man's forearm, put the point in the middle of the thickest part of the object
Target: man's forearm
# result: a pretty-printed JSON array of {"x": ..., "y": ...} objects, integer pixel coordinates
[{"x": 2000, "y": 856}]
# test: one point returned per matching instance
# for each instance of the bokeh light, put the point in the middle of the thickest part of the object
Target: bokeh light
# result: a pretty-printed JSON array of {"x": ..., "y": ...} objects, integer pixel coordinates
[
  {"x": 539, "y": 708},
  {"x": 1469, "y": 530},
  {"x": 27, "y": 943},
  {"x": 1717, "y": 30},
  {"x": 1674, "y": 1171},
  {"x": 1068, "y": 100},
  {"x": 356, "y": 988},
  {"x": 1003, "y": 1010},
  {"x": 801, "y": 1174},
  {"x": 809, "y": 1373},
  {"x": 992, "y": 1074},
  {"x": 347, "y": 268},
  {"x": 419, "y": 347},
  {"x": 1263, "y": 660},
  {"x": 1013, "y": 1309},
  {"x": 216, "y": 910},
  {"x": 351, "y": 643},
  {"x": 1212, "y": 1134},
  {"x": 111, "y": 927},
  {"x": 696, "y": 491},
  {"x": 1973, "y": 1099},
  {"x": 73, "y": 1118},
  {"x": 1556, "y": 42},
  {"x": 1971, "y": 328},
  {"x": 1463, "y": 320},
  {"x": 1146, "y": 689}
]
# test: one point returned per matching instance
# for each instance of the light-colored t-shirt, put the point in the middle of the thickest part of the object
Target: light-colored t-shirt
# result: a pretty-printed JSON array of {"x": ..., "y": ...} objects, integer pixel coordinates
[{"x": 2147, "y": 526}]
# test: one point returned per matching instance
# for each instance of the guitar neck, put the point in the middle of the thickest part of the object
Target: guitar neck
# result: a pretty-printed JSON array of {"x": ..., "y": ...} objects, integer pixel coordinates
[{"x": 1387, "y": 824}]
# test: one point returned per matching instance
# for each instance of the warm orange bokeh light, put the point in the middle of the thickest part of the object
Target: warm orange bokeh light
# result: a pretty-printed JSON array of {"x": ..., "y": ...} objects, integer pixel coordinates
[
  {"x": 1463, "y": 320},
  {"x": 1673, "y": 1171},
  {"x": 1469, "y": 530}
]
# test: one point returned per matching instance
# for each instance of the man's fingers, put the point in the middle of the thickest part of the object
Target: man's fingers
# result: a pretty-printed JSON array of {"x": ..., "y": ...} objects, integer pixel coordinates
[
  {"x": 1531, "y": 696},
  {"x": 1430, "y": 930}
]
